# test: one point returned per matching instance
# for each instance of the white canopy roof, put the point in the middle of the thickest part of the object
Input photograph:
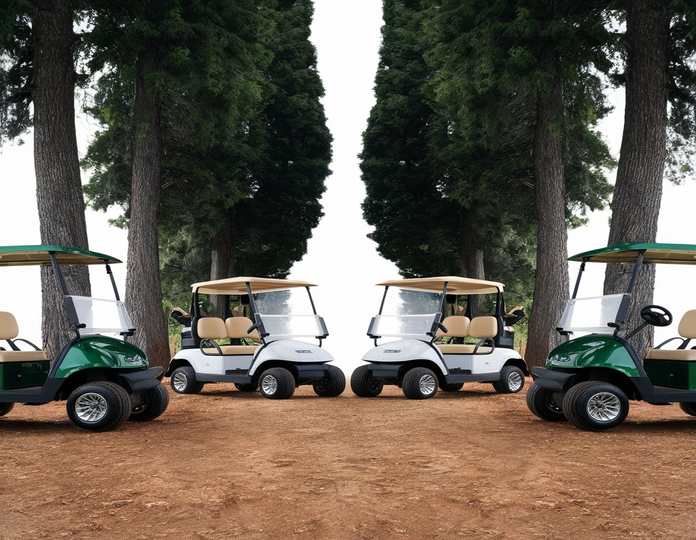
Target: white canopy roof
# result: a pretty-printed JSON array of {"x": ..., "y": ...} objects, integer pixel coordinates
[
  {"x": 237, "y": 285},
  {"x": 455, "y": 285}
]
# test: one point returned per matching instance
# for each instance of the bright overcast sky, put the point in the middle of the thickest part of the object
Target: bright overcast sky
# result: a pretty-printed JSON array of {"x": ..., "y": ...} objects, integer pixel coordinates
[{"x": 341, "y": 260}]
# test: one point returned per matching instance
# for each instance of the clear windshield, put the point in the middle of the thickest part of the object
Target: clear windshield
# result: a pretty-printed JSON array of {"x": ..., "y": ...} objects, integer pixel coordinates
[
  {"x": 288, "y": 314},
  {"x": 101, "y": 316},
  {"x": 591, "y": 314},
  {"x": 407, "y": 314}
]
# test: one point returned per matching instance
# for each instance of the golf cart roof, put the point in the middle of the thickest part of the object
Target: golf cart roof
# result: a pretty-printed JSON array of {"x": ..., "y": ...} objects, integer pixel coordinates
[
  {"x": 237, "y": 285},
  {"x": 455, "y": 285},
  {"x": 38, "y": 255},
  {"x": 653, "y": 253}
]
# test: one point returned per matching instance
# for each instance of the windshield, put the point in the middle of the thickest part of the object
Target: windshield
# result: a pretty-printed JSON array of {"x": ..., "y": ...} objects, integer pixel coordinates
[
  {"x": 287, "y": 314},
  {"x": 591, "y": 314},
  {"x": 101, "y": 316},
  {"x": 407, "y": 314}
]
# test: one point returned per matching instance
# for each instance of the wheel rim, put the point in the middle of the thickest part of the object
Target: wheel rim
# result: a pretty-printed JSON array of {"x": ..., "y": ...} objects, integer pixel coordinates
[
  {"x": 269, "y": 385},
  {"x": 427, "y": 384},
  {"x": 91, "y": 407},
  {"x": 552, "y": 405},
  {"x": 179, "y": 381},
  {"x": 604, "y": 407},
  {"x": 322, "y": 385},
  {"x": 515, "y": 381},
  {"x": 373, "y": 385}
]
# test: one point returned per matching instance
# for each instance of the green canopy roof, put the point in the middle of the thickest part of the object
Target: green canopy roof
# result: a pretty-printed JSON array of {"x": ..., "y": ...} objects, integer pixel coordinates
[
  {"x": 653, "y": 253},
  {"x": 38, "y": 255}
]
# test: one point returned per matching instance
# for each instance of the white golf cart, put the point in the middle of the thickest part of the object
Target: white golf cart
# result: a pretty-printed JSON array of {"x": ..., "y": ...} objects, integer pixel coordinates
[
  {"x": 260, "y": 351},
  {"x": 474, "y": 344}
]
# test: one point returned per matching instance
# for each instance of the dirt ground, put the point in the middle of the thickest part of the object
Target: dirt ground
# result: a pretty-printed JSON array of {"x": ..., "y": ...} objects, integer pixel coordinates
[{"x": 226, "y": 464}]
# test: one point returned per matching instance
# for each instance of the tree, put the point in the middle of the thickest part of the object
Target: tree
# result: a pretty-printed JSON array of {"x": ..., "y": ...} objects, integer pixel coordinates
[{"x": 40, "y": 48}]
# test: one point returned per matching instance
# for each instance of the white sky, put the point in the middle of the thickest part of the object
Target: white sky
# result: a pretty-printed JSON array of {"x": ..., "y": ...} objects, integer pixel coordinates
[{"x": 340, "y": 259}]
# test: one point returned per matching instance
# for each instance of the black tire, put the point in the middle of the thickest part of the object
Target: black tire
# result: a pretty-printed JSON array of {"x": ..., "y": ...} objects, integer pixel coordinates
[
  {"x": 454, "y": 387},
  {"x": 277, "y": 383},
  {"x": 332, "y": 385},
  {"x": 6, "y": 408},
  {"x": 419, "y": 383},
  {"x": 99, "y": 406},
  {"x": 363, "y": 384},
  {"x": 541, "y": 402},
  {"x": 595, "y": 405},
  {"x": 183, "y": 381},
  {"x": 246, "y": 387},
  {"x": 153, "y": 403},
  {"x": 511, "y": 380},
  {"x": 688, "y": 407}
]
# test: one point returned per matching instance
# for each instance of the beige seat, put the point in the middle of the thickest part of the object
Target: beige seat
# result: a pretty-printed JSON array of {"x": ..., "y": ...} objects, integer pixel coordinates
[
  {"x": 478, "y": 327},
  {"x": 9, "y": 330},
  {"x": 216, "y": 328},
  {"x": 687, "y": 329}
]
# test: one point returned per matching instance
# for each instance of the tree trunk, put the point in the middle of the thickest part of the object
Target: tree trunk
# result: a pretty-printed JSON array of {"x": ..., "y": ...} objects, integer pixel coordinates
[
  {"x": 471, "y": 258},
  {"x": 143, "y": 289},
  {"x": 221, "y": 262},
  {"x": 58, "y": 186},
  {"x": 551, "y": 281},
  {"x": 638, "y": 191}
]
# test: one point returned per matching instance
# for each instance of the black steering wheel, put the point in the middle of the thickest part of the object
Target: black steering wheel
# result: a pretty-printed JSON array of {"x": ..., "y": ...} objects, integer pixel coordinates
[{"x": 656, "y": 315}]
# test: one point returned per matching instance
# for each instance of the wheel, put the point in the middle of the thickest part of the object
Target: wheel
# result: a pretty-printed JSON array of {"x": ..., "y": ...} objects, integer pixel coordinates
[
  {"x": 153, "y": 402},
  {"x": 183, "y": 381},
  {"x": 688, "y": 407},
  {"x": 99, "y": 406},
  {"x": 332, "y": 385},
  {"x": 363, "y": 384},
  {"x": 511, "y": 380},
  {"x": 419, "y": 383},
  {"x": 246, "y": 387},
  {"x": 277, "y": 383},
  {"x": 595, "y": 405},
  {"x": 5, "y": 408},
  {"x": 454, "y": 387},
  {"x": 542, "y": 403}
]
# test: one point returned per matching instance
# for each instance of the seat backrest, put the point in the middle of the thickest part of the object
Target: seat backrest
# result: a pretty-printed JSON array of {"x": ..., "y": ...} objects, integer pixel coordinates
[
  {"x": 237, "y": 328},
  {"x": 457, "y": 326},
  {"x": 211, "y": 328},
  {"x": 687, "y": 325},
  {"x": 8, "y": 325},
  {"x": 483, "y": 327}
]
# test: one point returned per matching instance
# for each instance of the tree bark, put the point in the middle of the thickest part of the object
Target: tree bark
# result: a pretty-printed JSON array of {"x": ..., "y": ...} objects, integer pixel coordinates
[
  {"x": 58, "y": 186},
  {"x": 638, "y": 191},
  {"x": 143, "y": 288},
  {"x": 470, "y": 255},
  {"x": 551, "y": 281},
  {"x": 221, "y": 262}
]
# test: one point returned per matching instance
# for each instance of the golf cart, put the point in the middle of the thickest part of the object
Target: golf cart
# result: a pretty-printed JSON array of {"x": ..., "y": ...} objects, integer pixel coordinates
[
  {"x": 258, "y": 351},
  {"x": 590, "y": 379},
  {"x": 104, "y": 379},
  {"x": 479, "y": 345}
]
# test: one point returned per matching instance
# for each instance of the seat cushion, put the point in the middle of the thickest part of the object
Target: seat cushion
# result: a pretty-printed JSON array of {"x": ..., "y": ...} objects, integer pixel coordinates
[
  {"x": 456, "y": 325},
  {"x": 22, "y": 356},
  {"x": 447, "y": 348},
  {"x": 233, "y": 350},
  {"x": 686, "y": 355}
]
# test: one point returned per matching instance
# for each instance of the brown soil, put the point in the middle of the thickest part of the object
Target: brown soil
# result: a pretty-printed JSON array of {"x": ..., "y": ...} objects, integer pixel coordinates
[{"x": 226, "y": 464}]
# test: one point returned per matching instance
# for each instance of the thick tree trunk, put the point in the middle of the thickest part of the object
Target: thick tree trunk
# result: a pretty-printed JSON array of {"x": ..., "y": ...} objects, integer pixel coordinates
[
  {"x": 638, "y": 191},
  {"x": 221, "y": 262},
  {"x": 143, "y": 289},
  {"x": 58, "y": 186},
  {"x": 551, "y": 281},
  {"x": 471, "y": 258}
]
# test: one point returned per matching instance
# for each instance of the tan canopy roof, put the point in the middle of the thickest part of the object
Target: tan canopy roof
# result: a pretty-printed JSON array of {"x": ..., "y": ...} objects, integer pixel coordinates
[
  {"x": 455, "y": 285},
  {"x": 237, "y": 285}
]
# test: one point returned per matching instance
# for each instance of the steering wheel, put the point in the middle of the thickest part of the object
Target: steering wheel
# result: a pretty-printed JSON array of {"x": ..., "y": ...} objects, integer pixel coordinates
[{"x": 656, "y": 315}]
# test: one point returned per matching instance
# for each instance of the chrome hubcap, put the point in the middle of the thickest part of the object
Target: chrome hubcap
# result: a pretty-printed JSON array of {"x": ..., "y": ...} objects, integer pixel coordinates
[
  {"x": 604, "y": 407},
  {"x": 427, "y": 384},
  {"x": 179, "y": 382},
  {"x": 515, "y": 381},
  {"x": 91, "y": 407},
  {"x": 269, "y": 385}
]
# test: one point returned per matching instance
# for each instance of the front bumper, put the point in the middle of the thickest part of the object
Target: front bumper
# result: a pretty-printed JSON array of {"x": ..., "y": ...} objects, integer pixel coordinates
[
  {"x": 556, "y": 381},
  {"x": 141, "y": 379}
]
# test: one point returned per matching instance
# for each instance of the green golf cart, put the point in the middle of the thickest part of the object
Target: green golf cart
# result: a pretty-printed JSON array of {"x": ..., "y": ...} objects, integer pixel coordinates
[
  {"x": 104, "y": 379},
  {"x": 590, "y": 379}
]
